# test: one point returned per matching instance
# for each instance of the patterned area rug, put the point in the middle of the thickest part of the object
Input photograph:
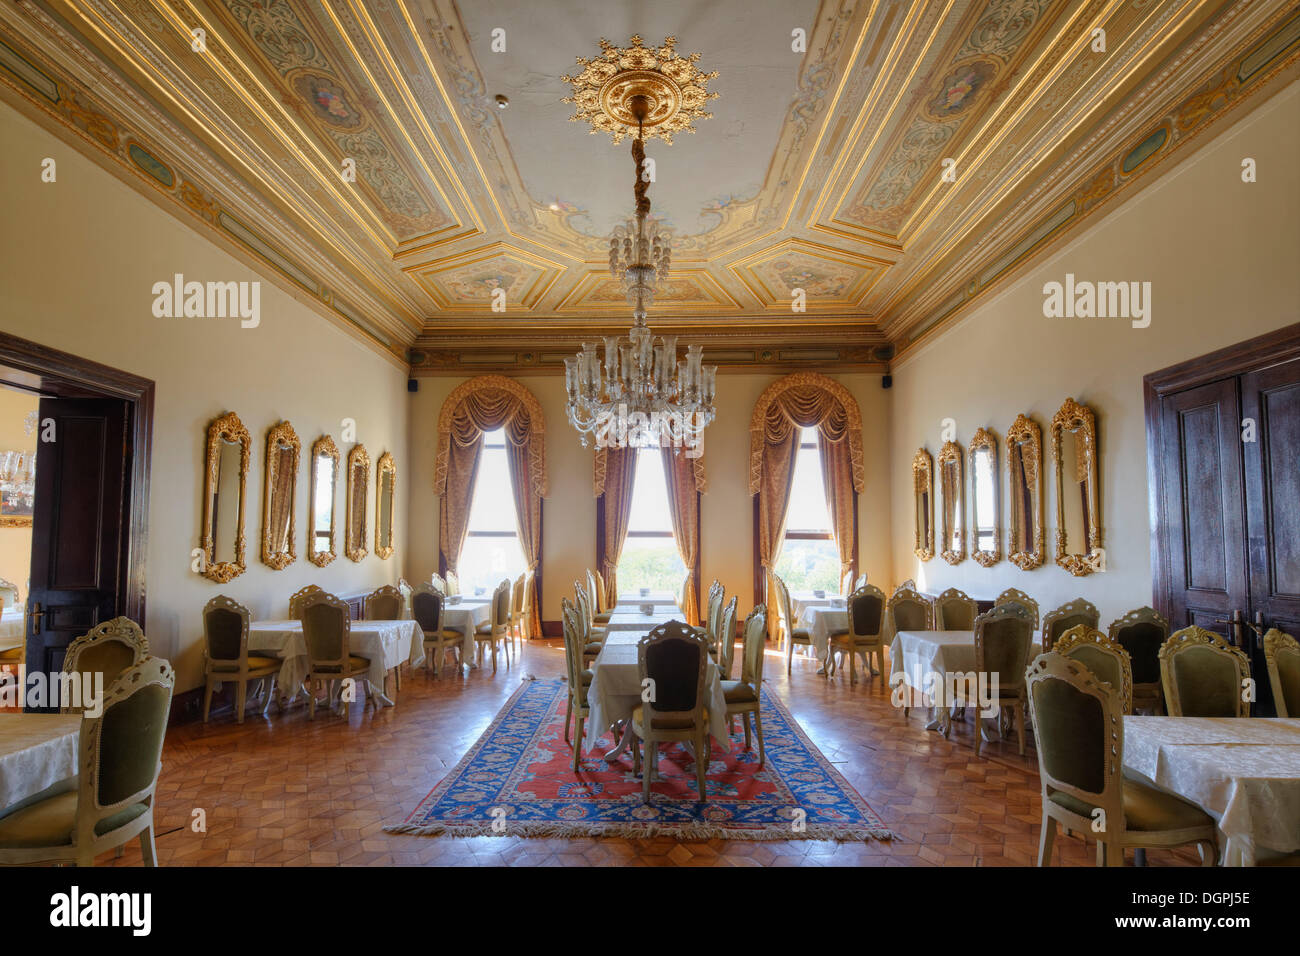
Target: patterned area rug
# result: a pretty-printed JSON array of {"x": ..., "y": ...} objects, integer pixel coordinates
[{"x": 517, "y": 781}]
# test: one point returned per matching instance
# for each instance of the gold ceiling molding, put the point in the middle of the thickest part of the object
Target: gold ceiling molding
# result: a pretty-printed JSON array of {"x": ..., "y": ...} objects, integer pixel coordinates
[
  {"x": 505, "y": 399},
  {"x": 805, "y": 389}
]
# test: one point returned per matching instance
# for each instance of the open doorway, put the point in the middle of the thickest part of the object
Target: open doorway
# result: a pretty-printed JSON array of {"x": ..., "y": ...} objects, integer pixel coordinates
[{"x": 86, "y": 502}]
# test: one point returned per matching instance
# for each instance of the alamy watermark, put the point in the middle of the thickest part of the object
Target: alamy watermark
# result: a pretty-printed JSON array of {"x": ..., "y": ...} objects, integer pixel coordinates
[
  {"x": 619, "y": 428},
  {"x": 81, "y": 691},
  {"x": 1099, "y": 300},
  {"x": 179, "y": 299}
]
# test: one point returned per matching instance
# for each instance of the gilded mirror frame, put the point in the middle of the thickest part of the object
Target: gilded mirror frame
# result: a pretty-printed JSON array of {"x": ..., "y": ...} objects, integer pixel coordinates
[
  {"x": 1070, "y": 417},
  {"x": 952, "y": 452},
  {"x": 281, "y": 434},
  {"x": 226, "y": 428},
  {"x": 984, "y": 439},
  {"x": 322, "y": 447},
  {"x": 1025, "y": 435},
  {"x": 385, "y": 466},
  {"x": 923, "y": 481},
  {"x": 357, "y": 456}
]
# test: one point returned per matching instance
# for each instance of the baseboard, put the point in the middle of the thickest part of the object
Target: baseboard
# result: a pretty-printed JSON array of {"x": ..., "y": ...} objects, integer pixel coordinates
[{"x": 552, "y": 629}]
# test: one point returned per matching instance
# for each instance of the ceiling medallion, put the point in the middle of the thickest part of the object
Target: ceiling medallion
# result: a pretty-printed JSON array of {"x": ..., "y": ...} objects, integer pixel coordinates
[{"x": 626, "y": 88}]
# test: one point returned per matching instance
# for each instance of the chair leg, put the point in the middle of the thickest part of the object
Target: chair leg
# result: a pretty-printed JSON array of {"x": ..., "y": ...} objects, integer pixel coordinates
[
  {"x": 311, "y": 699},
  {"x": 744, "y": 719},
  {"x": 1020, "y": 725},
  {"x": 147, "y": 850},
  {"x": 702, "y": 755},
  {"x": 118, "y": 851},
  {"x": 758, "y": 732},
  {"x": 1046, "y": 837},
  {"x": 651, "y": 759},
  {"x": 853, "y": 667},
  {"x": 577, "y": 743},
  {"x": 241, "y": 698},
  {"x": 269, "y": 693},
  {"x": 979, "y": 733},
  {"x": 789, "y": 656},
  {"x": 207, "y": 699}
]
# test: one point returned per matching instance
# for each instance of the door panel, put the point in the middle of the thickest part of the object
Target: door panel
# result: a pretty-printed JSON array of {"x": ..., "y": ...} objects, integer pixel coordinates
[{"x": 77, "y": 525}]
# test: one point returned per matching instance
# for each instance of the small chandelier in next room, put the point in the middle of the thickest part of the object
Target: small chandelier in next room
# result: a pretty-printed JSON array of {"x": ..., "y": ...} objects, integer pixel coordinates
[{"x": 640, "y": 394}]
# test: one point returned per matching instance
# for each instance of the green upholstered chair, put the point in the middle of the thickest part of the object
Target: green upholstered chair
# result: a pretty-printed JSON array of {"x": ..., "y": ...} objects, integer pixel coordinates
[
  {"x": 1142, "y": 632},
  {"x": 1021, "y": 598},
  {"x": 1074, "y": 613},
  {"x": 1004, "y": 638},
  {"x": 226, "y": 658},
  {"x": 427, "y": 605},
  {"x": 1079, "y": 723},
  {"x": 724, "y": 649},
  {"x": 910, "y": 610},
  {"x": 743, "y": 696},
  {"x": 593, "y": 638},
  {"x": 384, "y": 604},
  {"x": 600, "y": 613},
  {"x": 713, "y": 617},
  {"x": 497, "y": 627},
  {"x": 327, "y": 632},
  {"x": 579, "y": 675},
  {"x": 108, "y": 648},
  {"x": 675, "y": 657},
  {"x": 1107, "y": 660},
  {"x": 864, "y": 635},
  {"x": 298, "y": 600},
  {"x": 955, "y": 611},
  {"x": 790, "y": 634},
  {"x": 111, "y": 800},
  {"x": 1282, "y": 654},
  {"x": 1202, "y": 675}
]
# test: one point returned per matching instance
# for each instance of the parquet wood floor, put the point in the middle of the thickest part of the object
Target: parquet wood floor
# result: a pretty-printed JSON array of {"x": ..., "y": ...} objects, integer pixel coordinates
[{"x": 283, "y": 790}]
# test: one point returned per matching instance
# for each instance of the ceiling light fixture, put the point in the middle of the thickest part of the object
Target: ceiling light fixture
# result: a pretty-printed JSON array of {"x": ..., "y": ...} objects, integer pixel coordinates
[{"x": 642, "y": 395}]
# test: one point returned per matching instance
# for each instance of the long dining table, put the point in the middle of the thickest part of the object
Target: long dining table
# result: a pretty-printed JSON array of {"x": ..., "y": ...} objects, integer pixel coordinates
[
  {"x": 615, "y": 689},
  {"x": 465, "y": 615}
]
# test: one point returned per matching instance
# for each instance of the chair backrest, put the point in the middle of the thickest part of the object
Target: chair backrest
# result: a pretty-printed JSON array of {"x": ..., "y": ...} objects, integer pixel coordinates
[
  {"x": 955, "y": 610},
  {"x": 299, "y": 600},
  {"x": 717, "y": 595},
  {"x": 779, "y": 601},
  {"x": 120, "y": 751},
  {"x": 675, "y": 658},
  {"x": 225, "y": 632},
  {"x": 754, "y": 647},
  {"x": 517, "y": 597},
  {"x": 436, "y": 580},
  {"x": 593, "y": 594},
  {"x": 582, "y": 601},
  {"x": 1079, "y": 730},
  {"x": 453, "y": 583},
  {"x": 726, "y": 642},
  {"x": 909, "y": 610},
  {"x": 574, "y": 641},
  {"x": 1202, "y": 675},
  {"x": 1004, "y": 637},
  {"x": 1107, "y": 660},
  {"x": 327, "y": 631},
  {"x": 606, "y": 603},
  {"x": 1142, "y": 633},
  {"x": 108, "y": 648},
  {"x": 1282, "y": 656},
  {"x": 1020, "y": 597},
  {"x": 866, "y": 612},
  {"x": 529, "y": 588},
  {"x": 426, "y": 608},
  {"x": 501, "y": 606},
  {"x": 384, "y": 604},
  {"x": 8, "y": 594},
  {"x": 405, "y": 590},
  {"x": 861, "y": 581},
  {"x": 1069, "y": 615}
]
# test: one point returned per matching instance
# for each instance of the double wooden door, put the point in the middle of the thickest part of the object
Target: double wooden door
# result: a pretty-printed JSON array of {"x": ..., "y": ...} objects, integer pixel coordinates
[{"x": 1224, "y": 450}]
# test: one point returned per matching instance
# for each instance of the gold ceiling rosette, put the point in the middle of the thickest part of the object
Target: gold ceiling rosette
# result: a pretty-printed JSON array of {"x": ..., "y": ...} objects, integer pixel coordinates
[{"x": 636, "y": 87}]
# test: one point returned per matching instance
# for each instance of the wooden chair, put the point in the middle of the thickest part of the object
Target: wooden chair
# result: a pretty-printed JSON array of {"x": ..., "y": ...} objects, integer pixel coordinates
[
  {"x": 226, "y": 657},
  {"x": 11, "y": 657},
  {"x": 1004, "y": 638},
  {"x": 864, "y": 635},
  {"x": 8, "y": 594},
  {"x": 112, "y": 798},
  {"x": 724, "y": 648},
  {"x": 713, "y": 611},
  {"x": 743, "y": 696},
  {"x": 790, "y": 634},
  {"x": 1282, "y": 655},
  {"x": 861, "y": 581},
  {"x": 1203, "y": 675},
  {"x": 438, "y": 583},
  {"x": 526, "y": 617},
  {"x": 109, "y": 648},
  {"x": 607, "y": 602},
  {"x": 299, "y": 600},
  {"x": 516, "y": 622},
  {"x": 385, "y": 604},
  {"x": 1107, "y": 660},
  {"x": 579, "y": 675},
  {"x": 1076, "y": 613},
  {"x": 600, "y": 614},
  {"x": 453, "y": 583},
  {"x": 1142, "y": 633},
  {"x": 1079, "y": 723},
  {"x": 954, "y": 610},
  {"x": 427, "y": 606},
  {"x": 1020, "y": 597},
  {"x": 582, "y": 601},
  {"x": 327, "y": 632},
  {"x": 497, "y": 627},
  {"x": 675, "y": 658},
  {"x": 909, "y": 610}
]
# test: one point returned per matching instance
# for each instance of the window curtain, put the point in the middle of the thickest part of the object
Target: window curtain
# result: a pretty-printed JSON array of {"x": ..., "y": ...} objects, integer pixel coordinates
[
  {"x": 685, "y": 480},
  {"x": 481, "y": 405},
  {"x": 804, "y": 400},
  {"x": 615, "y": 475}
]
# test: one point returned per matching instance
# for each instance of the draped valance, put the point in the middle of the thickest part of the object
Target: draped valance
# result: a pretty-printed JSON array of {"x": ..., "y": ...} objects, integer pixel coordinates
[
  {"x": 805, "y": 400},
  {"x": 484, "y": 404}
]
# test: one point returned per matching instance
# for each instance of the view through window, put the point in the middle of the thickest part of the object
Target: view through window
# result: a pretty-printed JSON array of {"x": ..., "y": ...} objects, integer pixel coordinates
[
  {"x": 491, "y": 551},
  {"x": 650, "y": 558},
  {"x": 809, "y": 559}
]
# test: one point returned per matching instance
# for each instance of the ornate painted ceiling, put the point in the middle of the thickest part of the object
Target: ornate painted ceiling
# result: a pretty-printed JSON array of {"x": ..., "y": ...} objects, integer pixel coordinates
[{"x": 903, "y": 160}]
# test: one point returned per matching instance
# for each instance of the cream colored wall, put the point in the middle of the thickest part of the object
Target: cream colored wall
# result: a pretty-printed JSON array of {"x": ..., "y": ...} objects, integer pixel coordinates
[
  {"x": 16, "y": 543},
  {"x": 1221, "y": 256},
  {"x": 78, "y": 259},
  {"x": 726, "y": 530}
]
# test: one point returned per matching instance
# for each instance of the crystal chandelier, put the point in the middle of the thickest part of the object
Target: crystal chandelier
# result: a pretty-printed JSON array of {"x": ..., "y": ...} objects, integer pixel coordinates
[
  {"x": 18, "y": 477},
  {"x": 641, "y": 395}
]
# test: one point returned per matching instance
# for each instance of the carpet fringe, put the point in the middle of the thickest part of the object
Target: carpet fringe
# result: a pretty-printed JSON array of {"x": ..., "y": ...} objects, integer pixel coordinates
[{"x": 692, "y": 831}]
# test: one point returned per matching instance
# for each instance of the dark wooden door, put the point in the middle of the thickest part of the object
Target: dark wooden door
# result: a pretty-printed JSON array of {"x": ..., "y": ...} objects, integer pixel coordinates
[
  {"x": 1203, "y": 508},
  {"x": 1271, "y": 398},
  {"x": 78, "y": 524}
]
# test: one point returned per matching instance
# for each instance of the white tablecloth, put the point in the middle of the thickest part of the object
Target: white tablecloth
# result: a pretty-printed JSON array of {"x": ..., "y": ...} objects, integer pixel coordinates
[
  {"x": 11, "y": 628},
  {"x": 465, "y": 616},
  {"x": 803, "y": 600},
  {"x": 1245, "y": 772},
  {"x": 633, "y": 598},
  {"x": 821, "y": 620},
  {"x": 925, "y": 658},
  {"x": 616, "y": 685},
  {"x": 385, "y": 643},
  {"x": 36, "y": 751}
]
